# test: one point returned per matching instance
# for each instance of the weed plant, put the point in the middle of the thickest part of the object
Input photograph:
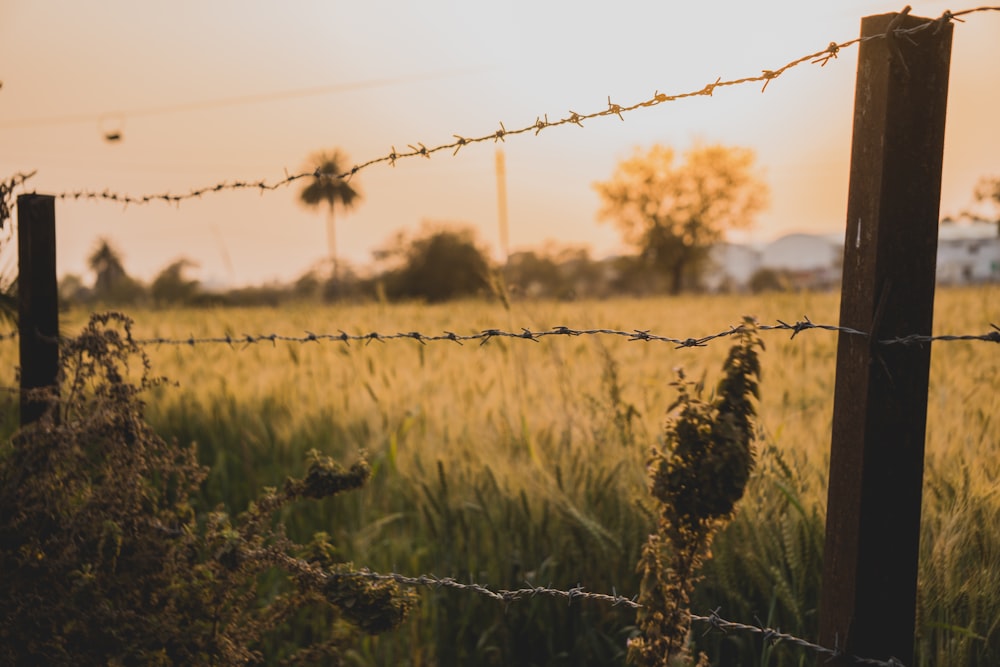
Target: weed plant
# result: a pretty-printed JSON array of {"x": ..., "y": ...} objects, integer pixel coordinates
[
  {"x": 697, "y": 478},
  {"x": 104, "y": 560}
]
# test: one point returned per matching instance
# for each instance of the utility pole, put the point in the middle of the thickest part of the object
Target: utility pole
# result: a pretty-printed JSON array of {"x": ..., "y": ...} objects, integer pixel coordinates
[{"x": 502, "y": 204}]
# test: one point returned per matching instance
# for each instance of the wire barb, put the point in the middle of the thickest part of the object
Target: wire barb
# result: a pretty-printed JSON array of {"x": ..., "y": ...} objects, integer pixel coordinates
[{"x": 831, "y": 53}]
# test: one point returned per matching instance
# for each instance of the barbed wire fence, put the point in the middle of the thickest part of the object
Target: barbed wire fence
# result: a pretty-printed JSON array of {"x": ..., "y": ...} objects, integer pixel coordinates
[
  {"x": 418, "y": 149},
  {"x": 484, "y": 336},
  {"x": 714, "y": 620}
]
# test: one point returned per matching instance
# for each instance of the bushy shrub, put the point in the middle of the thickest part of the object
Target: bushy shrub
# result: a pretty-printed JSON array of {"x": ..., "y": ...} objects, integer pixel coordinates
[{"x": 105, "y": 561}]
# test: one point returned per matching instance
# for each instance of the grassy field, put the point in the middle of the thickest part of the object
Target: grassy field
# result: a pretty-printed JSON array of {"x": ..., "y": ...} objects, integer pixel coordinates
[{"x": 521, "y": 461}]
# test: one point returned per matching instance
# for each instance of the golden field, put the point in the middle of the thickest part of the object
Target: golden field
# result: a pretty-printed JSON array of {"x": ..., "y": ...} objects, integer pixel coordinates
[{"x": 519, "y": 460}]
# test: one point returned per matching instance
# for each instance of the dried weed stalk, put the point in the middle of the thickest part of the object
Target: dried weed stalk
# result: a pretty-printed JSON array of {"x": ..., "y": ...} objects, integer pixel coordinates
[
  {"x": 697, "y": 479},
  {"x": 105, "y": 560}
]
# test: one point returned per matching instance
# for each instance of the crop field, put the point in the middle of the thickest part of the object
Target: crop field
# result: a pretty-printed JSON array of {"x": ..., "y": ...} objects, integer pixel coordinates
[{"x": 520, "y": 463}]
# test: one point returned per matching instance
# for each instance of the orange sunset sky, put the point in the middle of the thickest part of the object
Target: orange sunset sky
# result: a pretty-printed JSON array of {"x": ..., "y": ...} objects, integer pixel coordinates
[{"x": 205, "y": 92}]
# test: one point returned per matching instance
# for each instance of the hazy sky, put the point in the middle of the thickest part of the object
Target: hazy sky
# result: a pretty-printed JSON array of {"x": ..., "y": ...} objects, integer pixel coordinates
[{"x": 366, "y": 76}]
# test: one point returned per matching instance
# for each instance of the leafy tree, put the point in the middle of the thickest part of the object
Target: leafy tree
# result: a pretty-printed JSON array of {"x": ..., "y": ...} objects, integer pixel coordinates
[
  {"x": 766, "y": 279},
  {"x": 112, "y": 284},
  {"x": 72, "y": 289},
  {"x": 8, "y": 299},
  {"x": 673, "y": 213},
  {"x": 562, "y": 272},
  {"x": 988, "y": 190},
  {"x": 308, "y": 285},
  {"x": 171, "y": 287},
  {"x": 329, "y": 188},
  {"x": 441, "y": 263}
]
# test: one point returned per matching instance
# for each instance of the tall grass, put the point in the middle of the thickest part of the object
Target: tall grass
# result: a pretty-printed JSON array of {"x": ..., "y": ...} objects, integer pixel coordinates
[{"x": 521, "y": 462}]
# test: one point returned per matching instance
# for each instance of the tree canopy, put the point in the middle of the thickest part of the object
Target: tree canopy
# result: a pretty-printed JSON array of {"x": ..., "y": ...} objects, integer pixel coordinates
[
  {"x": 112, "y": 284},
  {"x": 673, "y": 212},
  {"x": 440, "y": 263},
  {"x": 171, "y": 286},
  {"x": 988, "y": 190},
  {"x": 329, "y": 188}
]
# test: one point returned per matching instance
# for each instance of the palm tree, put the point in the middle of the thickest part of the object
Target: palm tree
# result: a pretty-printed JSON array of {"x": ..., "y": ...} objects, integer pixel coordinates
[{"x": 329, "y": 188}]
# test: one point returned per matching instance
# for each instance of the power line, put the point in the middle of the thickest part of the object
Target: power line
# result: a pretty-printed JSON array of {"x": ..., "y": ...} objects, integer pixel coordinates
[{"x": 237, "y": 100}]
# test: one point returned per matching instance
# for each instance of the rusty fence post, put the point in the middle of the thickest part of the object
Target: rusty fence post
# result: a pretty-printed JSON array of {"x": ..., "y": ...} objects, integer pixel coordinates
[
  {"x": 38, "y": 301},
  {"x": 880, "y": 402}
]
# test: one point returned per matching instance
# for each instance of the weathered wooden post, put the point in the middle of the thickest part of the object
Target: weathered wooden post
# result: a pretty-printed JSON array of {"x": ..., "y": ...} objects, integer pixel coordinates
[
  {"x": 38, "y": 301},
  {"x": 880, "y": 402}
]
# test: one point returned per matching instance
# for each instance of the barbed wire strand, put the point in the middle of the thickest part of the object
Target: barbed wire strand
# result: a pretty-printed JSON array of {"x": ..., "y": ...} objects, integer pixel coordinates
[
  {"x": 321, "y": 577},
  {"x": 580, "y": 593},
  {"x": 571, "y": 595},
  {"x": 486, "y": 335},
  {"x": 821, "y": 57},
  {"x": 614, "y": 599}
]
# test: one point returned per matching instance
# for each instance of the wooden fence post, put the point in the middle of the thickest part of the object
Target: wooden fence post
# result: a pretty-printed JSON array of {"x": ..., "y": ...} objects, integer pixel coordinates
[
  {"x": 38, "y": 301},
  {"x": 880, "y": 401}
]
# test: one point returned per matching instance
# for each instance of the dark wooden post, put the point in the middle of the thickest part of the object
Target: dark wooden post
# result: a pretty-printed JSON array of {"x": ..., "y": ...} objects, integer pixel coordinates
[
  {"x": 38, "y": 300},
  {"x": 880, "y": 402}
]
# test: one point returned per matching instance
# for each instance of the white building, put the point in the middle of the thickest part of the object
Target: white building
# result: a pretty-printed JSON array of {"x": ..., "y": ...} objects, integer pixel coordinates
[
  {"x": 801, "y": 252},
  {"x": 730, "y": 266},
  {"x": 808, "y": 261},
  {"x": 967, "y": 254}
]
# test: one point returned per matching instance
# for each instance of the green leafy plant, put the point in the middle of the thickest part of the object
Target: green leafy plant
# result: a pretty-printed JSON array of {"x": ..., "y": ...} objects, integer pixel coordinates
[
  {"x": 697, "y": 478},
  {"x": 105, "y": 560}
]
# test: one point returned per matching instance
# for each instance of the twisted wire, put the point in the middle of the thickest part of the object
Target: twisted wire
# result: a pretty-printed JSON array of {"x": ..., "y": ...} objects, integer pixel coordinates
[
  {"x": 614, "y": 599},
  {"x": 484, "y": 336},
  {"x": 775, "y": 636}
]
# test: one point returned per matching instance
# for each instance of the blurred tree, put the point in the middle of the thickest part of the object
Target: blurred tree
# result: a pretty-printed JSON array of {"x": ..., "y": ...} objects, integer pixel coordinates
[
  {"x": 630, "y": 275},
  {"x": 555, "y": 271},
  {"x": 171, "y": 287},
  {"x": 441, "y": 263},
  {"x": 72, "y": 290},
  {"x": 766, "y": 279},
  {"x": 112, "y": 284},
  {"x": 673, "y": 213},
  {"x": 988, "y": 190},
  {"x": 308, "y": 285},
  {"x": 532, "y": 273},
  {"x": 329, "y": 188},
  {"x": 584, "y": 276},
  {"x": 348, "y": 284},
  {"x": 8, "y": 298}
]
